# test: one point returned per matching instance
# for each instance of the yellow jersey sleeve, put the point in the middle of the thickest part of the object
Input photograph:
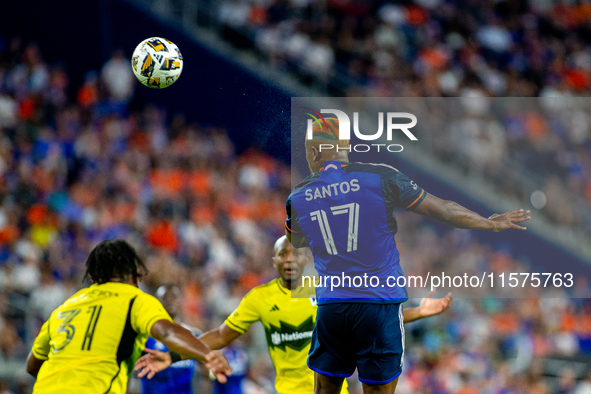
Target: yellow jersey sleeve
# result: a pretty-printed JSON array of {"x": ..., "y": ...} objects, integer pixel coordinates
[
  {"x": 146, "y": 311},
  {"x": 41, "y": 345},
  {"x": 247, "y": 313}
]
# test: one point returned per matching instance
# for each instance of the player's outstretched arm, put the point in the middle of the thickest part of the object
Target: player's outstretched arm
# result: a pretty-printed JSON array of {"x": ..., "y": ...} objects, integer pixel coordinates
[
  {"x": 180, "y": 340},
  {"x": 428, "y": 307},
  {"x": 455, "y": 215},
  {"x": 219, "y": 337},
  {"x": 155, "y": 361}
]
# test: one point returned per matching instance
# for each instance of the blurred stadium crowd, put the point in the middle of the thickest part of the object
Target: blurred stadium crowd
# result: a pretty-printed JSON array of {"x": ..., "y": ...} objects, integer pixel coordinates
[
  {"x": 78, "y": 169},
  {"x": 438, "y": 48},
  {"x": 423, "y": 48}
]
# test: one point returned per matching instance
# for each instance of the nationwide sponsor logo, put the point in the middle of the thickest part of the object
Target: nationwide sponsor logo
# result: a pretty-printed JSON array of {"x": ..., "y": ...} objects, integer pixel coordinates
[{"x": 290, "y": 336}]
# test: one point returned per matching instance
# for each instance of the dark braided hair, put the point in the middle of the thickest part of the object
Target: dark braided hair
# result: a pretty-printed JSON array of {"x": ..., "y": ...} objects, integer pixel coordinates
[{"x": 114, "y": 258}]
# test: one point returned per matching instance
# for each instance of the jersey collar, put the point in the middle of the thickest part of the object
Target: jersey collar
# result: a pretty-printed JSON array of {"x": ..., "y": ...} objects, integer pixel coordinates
[
  {"x": 283, "y": 289},
  {"x": 298, "y": 290},
  {"x": 333, "y": 165}
]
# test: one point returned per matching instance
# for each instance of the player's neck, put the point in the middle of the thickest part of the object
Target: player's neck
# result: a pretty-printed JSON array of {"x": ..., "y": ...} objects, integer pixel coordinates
[
  {"x": 337, "y": 156},
  {"x": 128, "y": 281},
  {"x": 291, "y": 284}
]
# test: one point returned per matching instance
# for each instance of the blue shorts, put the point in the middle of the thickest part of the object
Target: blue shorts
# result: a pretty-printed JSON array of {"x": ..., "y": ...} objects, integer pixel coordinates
[{"x": 369, "y": 337}]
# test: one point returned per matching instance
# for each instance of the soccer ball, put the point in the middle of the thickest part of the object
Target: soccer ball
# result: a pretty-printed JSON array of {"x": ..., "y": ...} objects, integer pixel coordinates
[{"x": 157, "y": 62}]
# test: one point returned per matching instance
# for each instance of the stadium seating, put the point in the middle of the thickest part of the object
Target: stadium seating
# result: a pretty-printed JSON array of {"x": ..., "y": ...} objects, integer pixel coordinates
[{"x": 432, "y": 48}]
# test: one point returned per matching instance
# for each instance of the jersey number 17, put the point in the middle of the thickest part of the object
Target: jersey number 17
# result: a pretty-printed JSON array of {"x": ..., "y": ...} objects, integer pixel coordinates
[{"x": 320, "y": 216}]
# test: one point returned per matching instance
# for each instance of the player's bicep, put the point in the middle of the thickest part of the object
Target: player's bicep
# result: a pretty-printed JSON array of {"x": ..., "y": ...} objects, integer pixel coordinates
[
  {"x": 33, "y": 365},
  {"x": 228, "y": 334},
  {"x": 161, "y": 329}
]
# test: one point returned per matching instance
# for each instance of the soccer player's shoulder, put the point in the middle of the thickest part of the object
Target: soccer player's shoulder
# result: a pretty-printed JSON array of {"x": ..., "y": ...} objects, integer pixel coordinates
[
  {"x": 264, "y": 290},
  {"x": 310, "y": 178},
  {"x": 144, "y": 297}
]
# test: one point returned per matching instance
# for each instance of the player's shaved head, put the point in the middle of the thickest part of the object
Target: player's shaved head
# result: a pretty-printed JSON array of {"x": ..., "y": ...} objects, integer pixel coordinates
[
  {"x": 171, "y": 298},
  {"x": 281, "y": 243},
  {"x": 325, "y": 144},
  {"x": 167, "y": 288}
]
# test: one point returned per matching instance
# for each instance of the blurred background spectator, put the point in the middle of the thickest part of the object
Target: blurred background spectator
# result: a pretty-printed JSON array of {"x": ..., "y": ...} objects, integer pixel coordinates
[{"x": 437, "y": 48}]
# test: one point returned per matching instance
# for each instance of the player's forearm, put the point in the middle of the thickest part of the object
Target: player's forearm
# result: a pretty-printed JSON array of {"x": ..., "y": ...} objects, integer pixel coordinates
[
  {"x": 411, "y": 314},
  {"x": 219, "y": 337},
  {"x": 180, "y": 340},
  {"x": 452, "y": 214},
  {"x": 214, "y": 339},
  {"x": 457, "y": 216}
]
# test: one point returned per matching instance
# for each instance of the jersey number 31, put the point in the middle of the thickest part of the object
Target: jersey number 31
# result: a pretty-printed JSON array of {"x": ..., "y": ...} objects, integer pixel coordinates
[{"x": 67, "y": 328}]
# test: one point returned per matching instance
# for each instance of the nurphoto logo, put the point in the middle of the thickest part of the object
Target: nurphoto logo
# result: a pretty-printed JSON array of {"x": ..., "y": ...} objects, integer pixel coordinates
[{"x": 344, "y": 129}]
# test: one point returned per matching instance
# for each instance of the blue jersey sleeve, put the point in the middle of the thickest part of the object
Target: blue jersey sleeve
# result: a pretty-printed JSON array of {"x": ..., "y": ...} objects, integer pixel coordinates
[
  {"x": 153, "y": 344},
  {"x": 291, "y": 223},
  {"x": 292, "y": 226},
  {"x": 402, "y": 191},
  {"x": 176, "y": 379}
]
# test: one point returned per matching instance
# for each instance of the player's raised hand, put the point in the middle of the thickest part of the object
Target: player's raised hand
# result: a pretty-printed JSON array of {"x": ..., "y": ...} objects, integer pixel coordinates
[
  {"x": 152, "y": 362},
  {"x": 430, "y": 306},
  {"x": 510, "y": 220},
  {"x": 218, "y": 365}
]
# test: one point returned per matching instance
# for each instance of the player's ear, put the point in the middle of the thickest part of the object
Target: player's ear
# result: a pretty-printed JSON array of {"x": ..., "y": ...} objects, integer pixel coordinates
[{"x": 315, "y": 153}]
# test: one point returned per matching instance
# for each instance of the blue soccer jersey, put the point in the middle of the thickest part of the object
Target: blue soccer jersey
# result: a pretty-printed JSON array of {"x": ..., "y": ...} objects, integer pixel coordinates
[
  {"x": 178, "y": 378},
  {"x": 238, "y": 360},
  {"x": 345, "y": 213}
]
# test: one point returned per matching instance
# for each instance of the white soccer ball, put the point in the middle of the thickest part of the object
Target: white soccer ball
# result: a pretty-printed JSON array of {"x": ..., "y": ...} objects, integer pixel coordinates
[{"x": 157, "y": 62}]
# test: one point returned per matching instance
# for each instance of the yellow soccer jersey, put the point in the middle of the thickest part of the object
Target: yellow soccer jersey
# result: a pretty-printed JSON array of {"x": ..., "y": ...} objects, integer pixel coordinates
[
  {"x": 288, "y": 323},
  {"x": 92, "y": 340}
]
